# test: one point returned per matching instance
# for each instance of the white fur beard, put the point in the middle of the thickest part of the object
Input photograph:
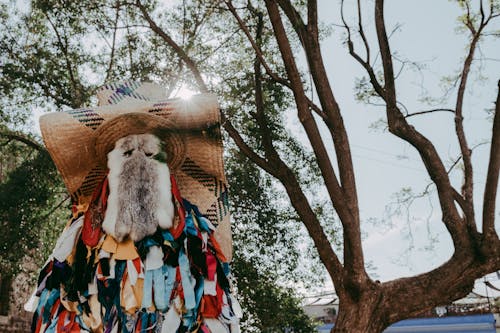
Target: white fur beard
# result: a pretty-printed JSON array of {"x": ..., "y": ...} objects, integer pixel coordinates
[{"x": 140, "y": 198}]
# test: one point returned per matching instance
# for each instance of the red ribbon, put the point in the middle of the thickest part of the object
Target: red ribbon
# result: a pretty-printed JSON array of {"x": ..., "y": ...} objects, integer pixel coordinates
[
  {"x": 91, "y": 232},
  {"x": 179, "y": 229}
]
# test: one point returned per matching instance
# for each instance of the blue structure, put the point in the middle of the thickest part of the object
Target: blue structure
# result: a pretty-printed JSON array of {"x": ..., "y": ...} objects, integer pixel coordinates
[{"x": 459, "y": 324}]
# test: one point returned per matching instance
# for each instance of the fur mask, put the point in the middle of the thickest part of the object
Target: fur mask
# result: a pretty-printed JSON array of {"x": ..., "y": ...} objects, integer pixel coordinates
[{"x": 139, "y": 199}]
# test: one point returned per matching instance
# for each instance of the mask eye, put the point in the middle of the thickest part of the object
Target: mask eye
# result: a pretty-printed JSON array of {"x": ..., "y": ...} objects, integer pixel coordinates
[{"x": 128, "y": 153}]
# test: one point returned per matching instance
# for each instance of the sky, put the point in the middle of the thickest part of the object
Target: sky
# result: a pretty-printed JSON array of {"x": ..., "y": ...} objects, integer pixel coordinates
[{"x": 408, "y": 245}]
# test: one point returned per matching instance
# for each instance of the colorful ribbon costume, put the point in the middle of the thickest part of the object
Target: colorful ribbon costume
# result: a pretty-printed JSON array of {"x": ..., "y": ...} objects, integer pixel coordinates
[{"x": 176, "y": 280}]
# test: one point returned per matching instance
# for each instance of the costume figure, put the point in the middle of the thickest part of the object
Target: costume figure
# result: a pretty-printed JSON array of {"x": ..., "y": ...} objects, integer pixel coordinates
[{"x": 148, "y": 246}]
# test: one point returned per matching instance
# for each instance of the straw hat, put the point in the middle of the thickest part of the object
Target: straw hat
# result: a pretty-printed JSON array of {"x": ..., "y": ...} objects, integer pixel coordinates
[{"x": 79, "y": 140}]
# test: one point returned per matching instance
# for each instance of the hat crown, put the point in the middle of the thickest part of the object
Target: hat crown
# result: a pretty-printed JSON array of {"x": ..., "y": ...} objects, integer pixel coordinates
[{"x": 129, "y": 92}]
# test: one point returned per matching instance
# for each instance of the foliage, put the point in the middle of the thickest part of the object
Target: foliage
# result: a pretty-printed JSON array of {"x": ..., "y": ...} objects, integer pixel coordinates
[
  {"x": 28, "y": 194},
  {"x": 269, "y": 308},
  {"x": 265, "y": 232}
]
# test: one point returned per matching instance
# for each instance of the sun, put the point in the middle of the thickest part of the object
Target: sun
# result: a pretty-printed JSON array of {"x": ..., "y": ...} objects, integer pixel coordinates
[{"x": 184, "y": 92}]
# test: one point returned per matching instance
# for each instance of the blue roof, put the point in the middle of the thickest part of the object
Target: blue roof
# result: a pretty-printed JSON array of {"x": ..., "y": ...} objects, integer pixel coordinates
[
  {"x": 457, "y": 324},
  {"x": 463, "y": 324},
  {"x": 324, "y": 328}
]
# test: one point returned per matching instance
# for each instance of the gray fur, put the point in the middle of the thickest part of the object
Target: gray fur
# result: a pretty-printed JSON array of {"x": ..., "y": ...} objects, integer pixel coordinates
[{"x": 140, "y": 198}]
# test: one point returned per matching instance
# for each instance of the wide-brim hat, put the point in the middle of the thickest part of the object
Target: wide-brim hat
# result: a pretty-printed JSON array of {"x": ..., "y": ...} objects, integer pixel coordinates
[{"x": 79, "y": 140}]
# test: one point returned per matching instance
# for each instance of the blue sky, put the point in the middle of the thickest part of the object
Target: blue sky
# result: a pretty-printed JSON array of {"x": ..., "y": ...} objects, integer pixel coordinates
[{"x": 384, "y": 164}]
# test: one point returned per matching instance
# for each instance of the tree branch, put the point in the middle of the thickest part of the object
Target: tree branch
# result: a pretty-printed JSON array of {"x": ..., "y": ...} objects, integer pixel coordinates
[
  {"x": 429, "y": 111},
  {"x": 452, "y": 280},
  {"x": 334, "y": 121},
  {"x": 467, "y": 188},
  {"x": 312, "y": 17},
  {"x": 113, "y": 43},
  {"x": 399, "y": 127},
  {"x": 468, "y": 185},
  {"x": 286, "y": 176},
  {"x": 481, "y": 11},
  {"x": 294, "y": 16},
  {"x": 228, "y": 40},
  {"x": 180, "y": 52},
  {"x": 267, "y": 142},
  {"x": 468, "y": 22},
  {"x": 243, "y": 146},
  {"x": 353, "y": 253},
  {"x": 56, "y": 207},
  {"x": 362, "y": 32},
  {"x": 256, "y": 48},
  {"x": 365, "y": 63},
  {"x": 262, "y": 60},
  {"x": 385, "y": 52},
  {"x": 304, "y": 113},
  {"x": 490, "y": 189},
  {"x": 23, "y": 139},
  {"x": 63, "y": 45}
]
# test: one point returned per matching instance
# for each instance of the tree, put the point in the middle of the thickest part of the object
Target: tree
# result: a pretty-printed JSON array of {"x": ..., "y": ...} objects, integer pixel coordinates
[{"x": 365, "y": 305}]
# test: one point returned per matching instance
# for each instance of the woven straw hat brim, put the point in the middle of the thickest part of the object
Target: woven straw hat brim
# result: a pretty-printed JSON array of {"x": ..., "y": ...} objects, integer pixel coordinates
[
  {"x": 78, "y": 140},
  {"x": 139, "y": 123},
  {"x": 70, "y": 137}
]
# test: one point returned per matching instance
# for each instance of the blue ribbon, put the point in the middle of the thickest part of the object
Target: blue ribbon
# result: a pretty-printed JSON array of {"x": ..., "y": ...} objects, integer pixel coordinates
[
  {"x": 170, "y": 272},
  {"x": 50, "y": 301},
  {"x": 187, "y": 285},
  {"x": 190, "y": 227},
  {"x": 147, "y": 296},
  {"x": 159, "y": 283},
  {"x": 167, "y": 236}
]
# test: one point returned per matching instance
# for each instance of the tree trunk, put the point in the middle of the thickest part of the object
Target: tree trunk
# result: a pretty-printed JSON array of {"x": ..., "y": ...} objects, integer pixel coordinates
[
  {"x": 362, "y": 312},
  {"x": 356, "y": 322}
]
